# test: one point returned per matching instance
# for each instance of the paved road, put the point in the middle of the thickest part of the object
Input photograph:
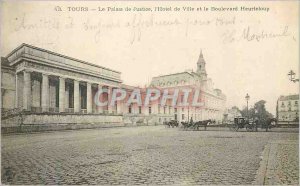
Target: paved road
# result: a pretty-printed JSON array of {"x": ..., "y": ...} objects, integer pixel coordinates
[{"x": 149, "y": 155}]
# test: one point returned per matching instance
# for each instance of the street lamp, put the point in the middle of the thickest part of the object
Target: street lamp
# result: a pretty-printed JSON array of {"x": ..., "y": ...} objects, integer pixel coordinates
[
  {"x": 292, "y": 76},
  {"x": 247, "y": 99}
]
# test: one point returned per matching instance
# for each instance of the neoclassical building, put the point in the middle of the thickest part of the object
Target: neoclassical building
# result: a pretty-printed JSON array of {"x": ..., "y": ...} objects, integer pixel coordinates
[
  {"x": 44, "y": 90},
  {"x": 213, "y": 99},
  {"x": 40, "y": 87}
]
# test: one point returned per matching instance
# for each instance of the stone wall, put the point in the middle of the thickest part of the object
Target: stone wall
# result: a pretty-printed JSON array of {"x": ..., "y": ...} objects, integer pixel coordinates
[
  {"x": 8, "y": 89},
  {"x": 44, "y": 122},
  {"x": 142, "y": 119}
]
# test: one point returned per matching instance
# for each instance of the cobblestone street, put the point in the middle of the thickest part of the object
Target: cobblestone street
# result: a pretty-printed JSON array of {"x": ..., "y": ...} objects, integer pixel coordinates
[{"x": 151, "y": 155}]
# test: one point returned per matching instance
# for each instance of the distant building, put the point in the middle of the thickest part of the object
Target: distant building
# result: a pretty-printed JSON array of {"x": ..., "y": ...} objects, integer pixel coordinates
[
  {"x": 232, "y": 113},
  {"x": 213, "y": 99},
  {"x": 288, "y": 108}
]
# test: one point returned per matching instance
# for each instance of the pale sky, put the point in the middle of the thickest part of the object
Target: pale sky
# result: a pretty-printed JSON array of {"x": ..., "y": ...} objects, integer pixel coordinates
[{"x": 142, "y": 45}]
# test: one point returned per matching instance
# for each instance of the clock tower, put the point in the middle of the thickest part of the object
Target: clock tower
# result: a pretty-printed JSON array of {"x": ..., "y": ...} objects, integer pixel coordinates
[{"x": 201, "y": 66}]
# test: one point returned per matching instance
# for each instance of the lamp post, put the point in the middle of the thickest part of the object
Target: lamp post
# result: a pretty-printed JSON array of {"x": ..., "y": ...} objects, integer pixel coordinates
[
  {"x": 256, "y": 119},
  {"x": 247, "y": 99},
  {"x": 292, "y": 76}
]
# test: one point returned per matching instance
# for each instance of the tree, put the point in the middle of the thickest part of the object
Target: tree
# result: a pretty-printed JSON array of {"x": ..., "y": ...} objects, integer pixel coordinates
[{"x": 258, "y": 111}]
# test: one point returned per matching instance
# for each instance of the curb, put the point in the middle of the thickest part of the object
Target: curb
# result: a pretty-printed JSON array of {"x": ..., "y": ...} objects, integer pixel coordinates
[{"x": 262, "y": 171}]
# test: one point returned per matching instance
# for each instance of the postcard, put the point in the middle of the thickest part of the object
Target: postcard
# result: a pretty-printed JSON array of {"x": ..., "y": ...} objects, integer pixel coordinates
[{"x": 149, "y": 92}]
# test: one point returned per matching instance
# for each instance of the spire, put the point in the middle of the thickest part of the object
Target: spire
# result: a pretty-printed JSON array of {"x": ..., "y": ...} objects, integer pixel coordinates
[
  {"x": 201, "y": 55},
  {"x": 201, "y": 59},
  {"x": 201, "y": 66}
]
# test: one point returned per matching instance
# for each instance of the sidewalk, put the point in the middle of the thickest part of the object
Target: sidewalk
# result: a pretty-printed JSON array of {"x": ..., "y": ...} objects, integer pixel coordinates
[{"x": 280, "y": 164}]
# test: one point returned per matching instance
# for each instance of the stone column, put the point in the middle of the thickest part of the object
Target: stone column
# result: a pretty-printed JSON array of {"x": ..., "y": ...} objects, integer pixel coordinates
[
  {"x": 100, "y": 109},
  {"x": 120, "y": 106},
  {"x": 27, "y": 91},
  {"x": 88, "y": 97},
  {"x": 110, "y": 108},
  {"x": 62, "y": 93},
  {"x": 45, "y": 93},
  {"x": 16, "y": 92},
  {"x": 76, "y": 96}
]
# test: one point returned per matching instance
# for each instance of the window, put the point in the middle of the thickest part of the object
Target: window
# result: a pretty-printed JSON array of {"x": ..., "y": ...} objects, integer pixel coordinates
[
  {"x": 149, "y": 110},
  {"x": 129, "y": 109},
  {"x": 175, "y": 110},
  {"x": 296, "y": 102},
  {"x": 289, "y": 102},
  {"x": 140, "y": 110},
  {"x": 158, "y": 109},
  {"x": 182, "y": 117}
]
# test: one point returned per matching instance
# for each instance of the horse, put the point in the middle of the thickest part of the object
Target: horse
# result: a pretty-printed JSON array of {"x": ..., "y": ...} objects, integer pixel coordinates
[
  {"x": 172, "y": 123},
  {"x": 176, "y": 123},
  {"x": 186, "y": 124},
  {"x": 202, "y": 123},
  {"x": 166, "y": 124},
  {"x": 269, "y": 123}
]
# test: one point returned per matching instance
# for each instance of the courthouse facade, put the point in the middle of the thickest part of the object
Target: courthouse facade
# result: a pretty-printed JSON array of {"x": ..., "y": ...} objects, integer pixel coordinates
[{"x": 40, "y": 88}]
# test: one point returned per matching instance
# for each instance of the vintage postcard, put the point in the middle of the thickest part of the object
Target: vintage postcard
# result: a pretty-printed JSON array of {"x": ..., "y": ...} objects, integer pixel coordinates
[{"x": 149, "y": 92}]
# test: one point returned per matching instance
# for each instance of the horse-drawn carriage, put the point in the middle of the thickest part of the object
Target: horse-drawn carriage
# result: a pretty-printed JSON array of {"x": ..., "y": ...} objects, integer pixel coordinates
[
  {"x": 189, "y": 125},
  {"x": 196, "y": 125},
  {"x": 251, "y": 125},
  {"x": 171, "y": 123}
]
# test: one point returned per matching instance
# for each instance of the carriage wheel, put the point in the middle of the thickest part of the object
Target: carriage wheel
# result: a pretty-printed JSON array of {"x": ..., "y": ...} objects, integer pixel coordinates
[
  {"x": 248, "y": 128},
  {"x": 233, "y": 127}
]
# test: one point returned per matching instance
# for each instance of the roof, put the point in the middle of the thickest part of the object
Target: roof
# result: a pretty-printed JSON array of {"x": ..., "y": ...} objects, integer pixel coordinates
[
  {"x": 54, "y": 53},
  {"x": 4, "y": 61},
  {"x": 172, "y": 74},
  {"x": 289, "y": 97},
  {"x": 5, "y": 64}
]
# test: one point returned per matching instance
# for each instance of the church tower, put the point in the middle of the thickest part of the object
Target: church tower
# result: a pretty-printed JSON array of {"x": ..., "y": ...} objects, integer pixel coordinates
[{"x": 201, "y": 66}]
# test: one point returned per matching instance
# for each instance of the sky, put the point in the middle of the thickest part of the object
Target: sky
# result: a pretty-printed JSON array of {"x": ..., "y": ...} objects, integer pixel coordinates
[{"x": 245, "y": 52}]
